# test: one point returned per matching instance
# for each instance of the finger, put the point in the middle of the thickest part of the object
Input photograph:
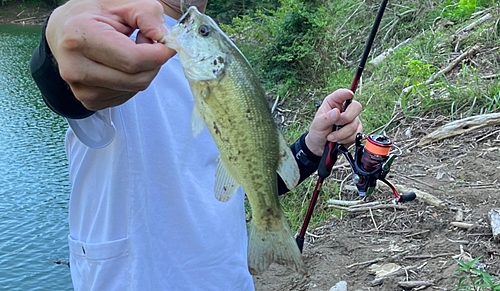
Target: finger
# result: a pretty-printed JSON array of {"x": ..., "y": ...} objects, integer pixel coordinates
[
  {"x": 336, "y": 99},
  {"x": 141, "y": 38},
  {"x": 326, "y": 121},
  {"x": 96, "y": 74},
  {"x": 334, "y": 117},
  {"x": 144, "y": 15},
  {"x": 350, "y": 140},
  {"x": 352, "y": 111},
  {"x": 345, "y": 134},
  {"x": 97, "y": 98},
  {"x": 102, "y": 44}
]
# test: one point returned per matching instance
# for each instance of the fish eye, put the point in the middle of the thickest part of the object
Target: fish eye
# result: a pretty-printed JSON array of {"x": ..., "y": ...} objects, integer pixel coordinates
[{"x": 204, "y": 30}]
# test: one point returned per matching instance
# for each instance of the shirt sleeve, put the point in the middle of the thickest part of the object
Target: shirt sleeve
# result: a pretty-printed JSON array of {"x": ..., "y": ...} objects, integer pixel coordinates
[
  {"x": 96, "y": 131},
  {"x": 55, "y": 91},
  {"x": 307, "y": 161}
]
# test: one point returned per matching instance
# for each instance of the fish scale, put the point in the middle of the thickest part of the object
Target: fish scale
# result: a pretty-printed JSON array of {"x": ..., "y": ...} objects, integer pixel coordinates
[{"x": 230, "y": 100}]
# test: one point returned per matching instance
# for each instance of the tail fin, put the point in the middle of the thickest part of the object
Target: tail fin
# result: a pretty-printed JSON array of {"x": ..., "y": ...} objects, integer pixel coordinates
[{"x": 268, "y": 246}]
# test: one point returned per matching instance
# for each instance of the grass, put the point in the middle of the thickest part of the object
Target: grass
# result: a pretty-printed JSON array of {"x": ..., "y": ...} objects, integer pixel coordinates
[
  {"x": 473, "y": 277},
  {"x": 331, "y": 45}
]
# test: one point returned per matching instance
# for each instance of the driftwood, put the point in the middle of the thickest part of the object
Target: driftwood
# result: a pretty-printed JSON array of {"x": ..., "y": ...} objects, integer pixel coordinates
[
  {"x": 461, "y": 126},
  {"x": 494, "y": 215},
  {"x": 32, "y": 19}
]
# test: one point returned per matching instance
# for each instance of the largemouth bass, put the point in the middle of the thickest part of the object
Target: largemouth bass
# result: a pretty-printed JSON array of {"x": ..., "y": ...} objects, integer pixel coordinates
[{"x": 231, "y": 101}]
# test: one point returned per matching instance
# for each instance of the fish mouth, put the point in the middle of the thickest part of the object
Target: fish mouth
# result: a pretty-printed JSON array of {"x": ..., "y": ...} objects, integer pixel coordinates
[
  {"x": 170, "y": 39},
  {"x": 187, "y": 16},
  {"x": 184, "y": 18}
]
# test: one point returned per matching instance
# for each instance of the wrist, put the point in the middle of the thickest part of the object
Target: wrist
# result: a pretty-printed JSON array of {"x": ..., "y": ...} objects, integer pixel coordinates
[
  {"x": 55, "y": 91},
  {"x": 312, "y": 153},
  {"x": 45, "y": 42},
  {"x": 311, "y": 146}
]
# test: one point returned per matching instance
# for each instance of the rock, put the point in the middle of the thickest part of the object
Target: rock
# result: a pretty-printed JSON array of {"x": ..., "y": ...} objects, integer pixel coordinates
[
  {"x": 340, "y": 286},
  {"x": 494, "y": 215}
]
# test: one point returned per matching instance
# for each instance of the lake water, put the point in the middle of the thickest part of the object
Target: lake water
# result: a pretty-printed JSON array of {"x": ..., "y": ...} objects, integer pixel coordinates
[{"x": 34, "y": 187}]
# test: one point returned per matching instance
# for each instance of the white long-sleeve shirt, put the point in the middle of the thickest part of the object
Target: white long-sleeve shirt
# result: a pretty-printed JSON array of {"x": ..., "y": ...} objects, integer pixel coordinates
[{"x": 142, "y": 211}]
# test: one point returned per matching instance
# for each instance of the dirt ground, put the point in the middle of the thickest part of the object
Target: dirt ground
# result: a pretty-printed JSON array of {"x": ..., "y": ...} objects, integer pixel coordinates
[{"x": 463, "y": 172}]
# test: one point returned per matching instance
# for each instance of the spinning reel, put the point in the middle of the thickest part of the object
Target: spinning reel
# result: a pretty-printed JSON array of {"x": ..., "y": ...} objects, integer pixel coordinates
[{"x": 371, "y": 162}]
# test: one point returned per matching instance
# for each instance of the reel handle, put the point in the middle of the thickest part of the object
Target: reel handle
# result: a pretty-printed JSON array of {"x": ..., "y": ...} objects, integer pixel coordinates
[{"x": 407, "y": 197}]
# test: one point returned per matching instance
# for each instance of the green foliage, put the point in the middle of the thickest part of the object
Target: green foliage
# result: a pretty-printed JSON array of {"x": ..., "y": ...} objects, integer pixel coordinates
[
  {"x": 474, "y": 278},
  {"x": 283, "y": 44},
  {"x": 419, "y": 70},
  {"x": 303, "y": 50},
  {"x": 224, "y": 11},
  {"x": 459, "y": 10},
  {"x": 463, "y": 9}
]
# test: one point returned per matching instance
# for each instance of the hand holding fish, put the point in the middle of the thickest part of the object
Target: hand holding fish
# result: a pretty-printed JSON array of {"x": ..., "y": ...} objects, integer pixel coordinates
[
  {"x": 95, "y": 55},
  {"x": 328, "y": 115}
]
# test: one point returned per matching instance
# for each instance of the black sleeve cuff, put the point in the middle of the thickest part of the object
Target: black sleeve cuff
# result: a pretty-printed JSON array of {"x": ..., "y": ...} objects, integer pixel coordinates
[
  {"x": 307, "y": 161},
  {"x": 55, "y": 91}
]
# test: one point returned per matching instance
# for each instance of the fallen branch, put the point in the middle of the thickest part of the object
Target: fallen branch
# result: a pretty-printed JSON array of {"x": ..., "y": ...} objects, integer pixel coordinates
[
  {"x": 368, "y": 208},
  {"x": 378, "y": 59},
  {"x": 461, "y": 224},
  {"x": 493, "y": 76},
  {"x": 345, "y": 202},
  {"x": 364, "y": 263},
  {"x": 401, "y": 271},
  {"x": 275, "y": 104},
  {"x": 469, "y": 53},
  {"x": 461, "y": 126},
  {"x": 421, "y": 195},
  {"x": 414, "y": 284},
  {"x": 474, "y": 24},
  {"x": 367, "y": 204},
  {"x": 419, "y": 257},
  {"x": 23, "y": 19},
  {"x": 32, "y": 19}
]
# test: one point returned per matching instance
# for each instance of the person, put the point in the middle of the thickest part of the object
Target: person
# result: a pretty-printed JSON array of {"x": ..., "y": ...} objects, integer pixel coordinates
[{"x": 142, "y": 214}]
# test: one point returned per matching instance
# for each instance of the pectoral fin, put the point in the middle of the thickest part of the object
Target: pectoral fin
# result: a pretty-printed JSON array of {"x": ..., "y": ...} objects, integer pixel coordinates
[
  {"x": 287, "y": 167},
  {"x": 197, "y": 122},
  {"x": 225, "y": 184}
]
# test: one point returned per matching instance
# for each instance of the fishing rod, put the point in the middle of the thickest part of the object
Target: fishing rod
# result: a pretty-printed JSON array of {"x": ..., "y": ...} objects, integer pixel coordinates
[{"x": 372, "y": 160}]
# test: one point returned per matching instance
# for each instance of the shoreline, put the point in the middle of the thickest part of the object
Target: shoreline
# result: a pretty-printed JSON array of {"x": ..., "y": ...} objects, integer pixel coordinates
[{"x": 23, "y": 14}]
